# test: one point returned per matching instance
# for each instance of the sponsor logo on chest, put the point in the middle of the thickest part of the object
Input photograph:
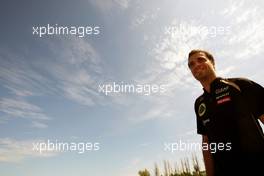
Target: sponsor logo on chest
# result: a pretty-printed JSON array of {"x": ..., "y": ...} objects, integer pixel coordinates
[
  {"x": 221, "y": 90},
  {"x": 223, "y": 100},
  {"x": 222, "y": 95}
]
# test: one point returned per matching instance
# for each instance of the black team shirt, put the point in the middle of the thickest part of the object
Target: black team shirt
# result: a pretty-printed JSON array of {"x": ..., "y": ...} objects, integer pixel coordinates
[{"x": 229, "y": 115}]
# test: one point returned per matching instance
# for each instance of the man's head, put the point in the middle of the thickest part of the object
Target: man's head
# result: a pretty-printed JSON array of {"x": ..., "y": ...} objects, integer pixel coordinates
[{"x": 201, "y": 64}]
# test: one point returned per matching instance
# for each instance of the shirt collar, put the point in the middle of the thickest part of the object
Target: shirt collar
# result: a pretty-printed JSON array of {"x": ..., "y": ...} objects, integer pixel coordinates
[{"x": 213, "y": 83}]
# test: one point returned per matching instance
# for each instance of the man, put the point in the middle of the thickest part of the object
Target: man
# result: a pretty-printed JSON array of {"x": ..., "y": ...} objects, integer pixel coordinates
[{"x": 227, "y": 116}]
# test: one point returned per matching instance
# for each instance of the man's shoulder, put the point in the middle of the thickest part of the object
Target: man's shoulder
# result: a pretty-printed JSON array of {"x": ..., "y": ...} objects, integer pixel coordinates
[
  {"x": 240, "y": 82},
  {"x": 199, "y": 99}
]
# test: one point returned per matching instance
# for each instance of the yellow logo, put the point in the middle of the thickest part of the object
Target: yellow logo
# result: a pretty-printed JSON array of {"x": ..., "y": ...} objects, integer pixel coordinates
[{"x": 201, "y": 109}]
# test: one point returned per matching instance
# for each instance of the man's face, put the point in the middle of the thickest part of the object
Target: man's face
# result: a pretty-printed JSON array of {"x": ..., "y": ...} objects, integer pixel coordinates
[{"x": 200, "y": 66}]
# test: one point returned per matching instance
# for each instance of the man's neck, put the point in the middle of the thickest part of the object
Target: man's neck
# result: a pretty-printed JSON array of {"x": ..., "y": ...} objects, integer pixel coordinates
[{"x": 206, "y": 83}]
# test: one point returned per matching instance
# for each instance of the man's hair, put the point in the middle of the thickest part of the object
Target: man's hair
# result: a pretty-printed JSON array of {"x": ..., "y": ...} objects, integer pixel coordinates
[{"x": 207, "y": 54}]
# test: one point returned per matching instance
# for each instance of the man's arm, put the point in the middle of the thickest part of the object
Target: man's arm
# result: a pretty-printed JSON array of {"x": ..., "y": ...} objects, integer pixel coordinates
[{"x": 208, "y": 159}]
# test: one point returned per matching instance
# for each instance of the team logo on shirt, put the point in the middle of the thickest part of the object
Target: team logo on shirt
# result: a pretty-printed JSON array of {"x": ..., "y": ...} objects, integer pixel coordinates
[{"x": 201, "y": 109}]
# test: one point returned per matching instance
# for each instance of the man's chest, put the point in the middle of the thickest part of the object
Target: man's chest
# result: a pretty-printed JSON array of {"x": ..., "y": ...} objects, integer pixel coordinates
[{"x": 218, "y": 110}]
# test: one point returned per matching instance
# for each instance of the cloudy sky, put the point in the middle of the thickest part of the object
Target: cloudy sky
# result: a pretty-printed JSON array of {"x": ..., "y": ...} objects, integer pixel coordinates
[{"x": 49, "y": 85}]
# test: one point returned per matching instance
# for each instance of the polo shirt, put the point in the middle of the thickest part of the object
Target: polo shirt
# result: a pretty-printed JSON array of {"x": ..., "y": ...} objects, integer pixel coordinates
[{"x": 228, "y": 115}]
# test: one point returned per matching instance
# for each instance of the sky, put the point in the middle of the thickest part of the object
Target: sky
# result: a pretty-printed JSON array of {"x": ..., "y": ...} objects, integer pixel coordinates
[{"x": 53, "y": 86}]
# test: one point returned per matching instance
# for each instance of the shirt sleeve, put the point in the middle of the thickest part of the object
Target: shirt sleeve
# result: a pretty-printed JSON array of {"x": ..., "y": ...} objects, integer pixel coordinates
[
  {"x": 254, "y": 94},
  {"x": 200, "y": 126}
]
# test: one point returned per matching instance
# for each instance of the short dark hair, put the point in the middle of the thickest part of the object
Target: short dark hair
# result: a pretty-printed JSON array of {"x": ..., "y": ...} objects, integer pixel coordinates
[{"x": 207, "y": 54}]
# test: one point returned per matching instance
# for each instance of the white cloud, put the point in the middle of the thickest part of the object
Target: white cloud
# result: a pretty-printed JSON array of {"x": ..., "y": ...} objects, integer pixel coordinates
[
  {"x": 76, "y": 51},
  {"x": 20, "y": 77},
  {"x": 73, "y": 70},
  {"x": 170, "y": 53},
  {"x": 21, "y": 108},
  {"x": 247, "y": 26},
  {"x": 19, "y": 92},
  {"x": 106, "y": 6},
  {"x": 77, "y": 70},
  {"x": 123, "y": 3},
  {"x": 22, "y": 80},
  {"x": 232, "y": 8},
  {"x": 168, "y": 65},
  {"x": 226, "y": 71},
  {"x": 145, "y": 17},
  {"x": 169, "y": 68},
  {"x": 12, "y": 150},
  {"x": 37, "y": 124}
]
